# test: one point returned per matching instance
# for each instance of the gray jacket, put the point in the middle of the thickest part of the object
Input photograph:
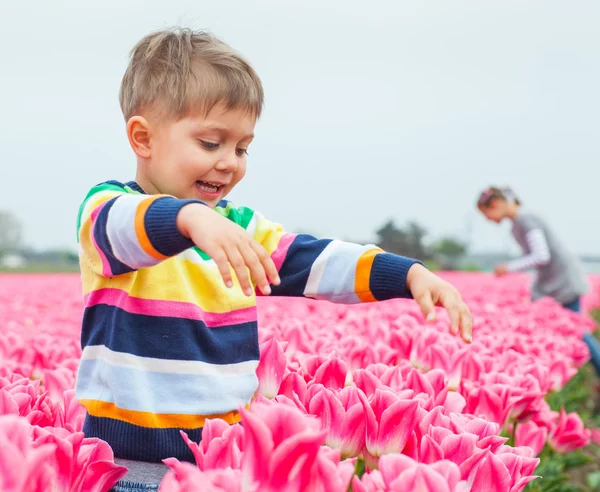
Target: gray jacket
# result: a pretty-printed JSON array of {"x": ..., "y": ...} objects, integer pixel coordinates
[{"x": 561, "y": 276}]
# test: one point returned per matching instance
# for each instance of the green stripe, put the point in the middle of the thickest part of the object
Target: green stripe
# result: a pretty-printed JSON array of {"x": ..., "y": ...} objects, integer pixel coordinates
[
  {"x": 92, "y": 192},
  {"x": 241, "y": 216}
]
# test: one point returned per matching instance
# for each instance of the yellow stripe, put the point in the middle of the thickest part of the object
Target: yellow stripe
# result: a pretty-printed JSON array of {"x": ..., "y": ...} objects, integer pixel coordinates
[
  {"x": 363, "y": 275},
  {"x": 104, "y": 409},
  {"x": 268, "y": 234},
  {"x": 140, "y": 228},
  {"x": 177, "y": 280},
  {"x": 91, "y": 258},
  {"x": 96, "y": 199}
]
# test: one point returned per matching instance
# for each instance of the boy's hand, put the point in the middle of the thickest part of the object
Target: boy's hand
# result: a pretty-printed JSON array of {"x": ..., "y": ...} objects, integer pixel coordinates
[
  {"x": 429, "y": 291},
  {"x": 228, "y": 244}
]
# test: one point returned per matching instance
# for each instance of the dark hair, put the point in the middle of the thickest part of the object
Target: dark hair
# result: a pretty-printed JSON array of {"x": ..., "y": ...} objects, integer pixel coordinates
[{"x": 494, "y": 193}]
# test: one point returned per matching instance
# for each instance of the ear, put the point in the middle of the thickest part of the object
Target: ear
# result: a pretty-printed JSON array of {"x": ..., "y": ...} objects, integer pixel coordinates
[{"x": 140, "y": 136}]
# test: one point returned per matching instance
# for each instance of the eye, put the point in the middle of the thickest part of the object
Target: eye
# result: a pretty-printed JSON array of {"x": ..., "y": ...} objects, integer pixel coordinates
[
  {"x": 209, "y": 145},
  {"x": 241, "y": 152}
]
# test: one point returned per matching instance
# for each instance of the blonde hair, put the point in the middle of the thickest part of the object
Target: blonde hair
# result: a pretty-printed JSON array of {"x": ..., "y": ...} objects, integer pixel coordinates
[{"x": 179, "y": 71}]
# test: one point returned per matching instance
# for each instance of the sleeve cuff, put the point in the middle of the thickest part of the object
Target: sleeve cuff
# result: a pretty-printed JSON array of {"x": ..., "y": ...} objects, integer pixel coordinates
[
  {"x": 388, "y": 276},
  {"x": 160, "y": 222}
]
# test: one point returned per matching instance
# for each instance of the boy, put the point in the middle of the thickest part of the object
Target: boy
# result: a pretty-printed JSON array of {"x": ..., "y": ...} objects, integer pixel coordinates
[{"x": 169, "y": 333}]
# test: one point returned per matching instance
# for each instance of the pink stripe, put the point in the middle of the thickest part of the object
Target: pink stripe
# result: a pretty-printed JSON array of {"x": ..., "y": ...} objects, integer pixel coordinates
[
  {"x": 173, "y": 309},
  {"x": 278, "y": 256},
  {"x": 280, "y": 252},
  {"x": 106, "y": 270}
]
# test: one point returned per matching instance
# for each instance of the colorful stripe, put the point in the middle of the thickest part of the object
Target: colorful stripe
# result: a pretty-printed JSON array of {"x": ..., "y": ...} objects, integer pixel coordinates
[
  {"x": 175, "y": 309},
  {"x": 168, "y": 338},
  {"x": 193, "y": 367},
  {"x": 106, "y": 269},
  {"x": 333, "y": 275},
  {"x": 121, "y": 230},
  {"x": 165, "y": 344},
  {"x": 140, "y": 228},
  {"x": 161, "y": 392},
  {"x": 363, "y": 275},
  {"x": 155, "y": 421}
]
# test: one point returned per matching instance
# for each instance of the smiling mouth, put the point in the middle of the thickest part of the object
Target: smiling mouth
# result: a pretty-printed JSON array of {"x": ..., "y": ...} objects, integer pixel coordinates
[{"x": 207, "y": 187}]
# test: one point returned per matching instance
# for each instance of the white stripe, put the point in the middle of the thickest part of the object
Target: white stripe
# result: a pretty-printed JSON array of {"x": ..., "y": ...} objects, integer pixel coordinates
[
  {"x": 194, "y": 367},
  {"x": 318, "y": 269},
  {"x": 193, "y": 257},
  {"x": 253, "y": 223},
  {"x": 120, "y": 228},
  {"x": 539, "y": 252}
]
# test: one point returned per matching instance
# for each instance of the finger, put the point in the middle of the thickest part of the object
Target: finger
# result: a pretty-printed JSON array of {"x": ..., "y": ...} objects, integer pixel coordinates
[
  {"x": 427, "y": 307},
  {"x": 220, "y": 259},
  {"x": 466, "y": 325},
  {"x": 449, "y": 303},
  {"x": 267, "y": 263},
  {"x": 257, "y": 271},
  {"x": 239, "y": 266}
]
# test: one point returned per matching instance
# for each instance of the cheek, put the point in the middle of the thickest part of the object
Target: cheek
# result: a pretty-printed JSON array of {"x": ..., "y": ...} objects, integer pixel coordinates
[{"x": 240, "y": 171}]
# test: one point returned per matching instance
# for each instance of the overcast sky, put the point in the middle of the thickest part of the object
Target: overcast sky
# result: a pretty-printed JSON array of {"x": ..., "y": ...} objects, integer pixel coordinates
[{"x": 374, "y": 110}]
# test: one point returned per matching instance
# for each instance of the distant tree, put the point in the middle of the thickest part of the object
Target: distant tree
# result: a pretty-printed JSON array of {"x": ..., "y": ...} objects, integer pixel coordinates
[
  {"x": 415, "y": 236},
  {"x": 390, "y": 238},
  {"x": 450, "y": 251},
  {"x": 10, "y": 232},
  {"x": 408, "y": 241}
]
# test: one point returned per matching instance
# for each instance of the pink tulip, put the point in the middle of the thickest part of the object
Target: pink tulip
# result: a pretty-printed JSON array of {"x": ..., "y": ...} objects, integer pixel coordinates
[
  {"x": 595, "y": 436},
  {"x": 568, "y": 433},
  {"x": 401, "y": 473},
  {"x": 532, "y": 435},
  {"x": 370, "y": 482},
  {"x": 221, "y": 446},
  {"x": 83, "y": 464},
  {"x": 366, "y": 381},
  {"x": 185, "y": 477},
  {"x": 390, "y": 423},
  {"x": 343, "y": 416},
  {"x": 332, "y": 374},
  {"x": 490, "y": 474},
  {"x": 561, "y": 371},
  {"x": 282, "y": 450},
  {"x": 23, "y": 466},
  {"x": 271, "y": 368},
  {"x": 293, "y": 383}
]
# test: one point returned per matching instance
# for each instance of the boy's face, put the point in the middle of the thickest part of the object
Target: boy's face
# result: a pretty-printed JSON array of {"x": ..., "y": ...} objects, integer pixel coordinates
[{"x": 200, "y": 157}]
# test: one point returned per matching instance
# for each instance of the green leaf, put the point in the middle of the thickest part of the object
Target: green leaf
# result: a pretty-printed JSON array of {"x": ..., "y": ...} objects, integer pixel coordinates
[
  {"x": 593, "y": 480},
  {"x": 575, "y": 459}
]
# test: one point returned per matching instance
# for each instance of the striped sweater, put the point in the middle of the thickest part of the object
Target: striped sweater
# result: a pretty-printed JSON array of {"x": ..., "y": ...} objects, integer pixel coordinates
[{"x": 165, "y": 343}]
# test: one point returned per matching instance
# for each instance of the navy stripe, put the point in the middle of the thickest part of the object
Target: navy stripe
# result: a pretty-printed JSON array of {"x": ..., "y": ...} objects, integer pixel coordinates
[
  {"x": 134, "y": 186},
  {"x": 388, "y": 276},
  {"x": 170, "y": 338},
  {"x": 295, "y": 270},
  {"x": 160, "y": 223},
  {"x": 117, "y": 267},
  {"x": 132, "y": 442}
]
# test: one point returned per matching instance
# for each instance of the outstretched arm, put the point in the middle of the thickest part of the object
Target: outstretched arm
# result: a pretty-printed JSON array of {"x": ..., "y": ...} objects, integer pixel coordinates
[
  {"x": 120, "y": 231},
  {"x": 348, "y": 273}
]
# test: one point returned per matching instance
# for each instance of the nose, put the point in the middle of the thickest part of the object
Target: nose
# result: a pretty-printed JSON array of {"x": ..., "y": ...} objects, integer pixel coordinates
[{"x": 228, "y": 162}]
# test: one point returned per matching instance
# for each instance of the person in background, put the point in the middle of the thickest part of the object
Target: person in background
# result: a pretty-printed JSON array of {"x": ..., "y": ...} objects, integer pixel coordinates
[{"x": 559, "y": 274}]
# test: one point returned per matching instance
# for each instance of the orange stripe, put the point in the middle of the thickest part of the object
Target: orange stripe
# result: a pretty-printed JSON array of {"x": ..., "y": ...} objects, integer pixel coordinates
[
  {"x": 154, "y": 420},
  {"x": 140, "y": 229},
  {"x": 363, "y": 275}
]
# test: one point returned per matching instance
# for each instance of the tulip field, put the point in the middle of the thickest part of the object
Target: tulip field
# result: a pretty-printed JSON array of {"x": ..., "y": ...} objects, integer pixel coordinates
[{"x": 367, "y": 398}]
